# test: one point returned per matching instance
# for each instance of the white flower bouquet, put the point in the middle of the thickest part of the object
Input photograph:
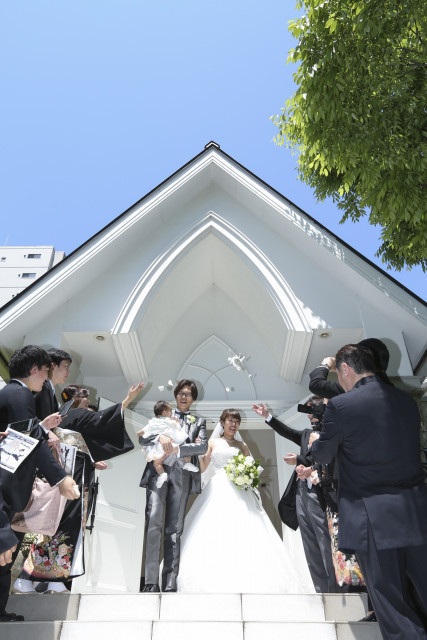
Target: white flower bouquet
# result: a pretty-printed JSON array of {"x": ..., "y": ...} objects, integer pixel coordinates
[{"x": 244, "y": 471}]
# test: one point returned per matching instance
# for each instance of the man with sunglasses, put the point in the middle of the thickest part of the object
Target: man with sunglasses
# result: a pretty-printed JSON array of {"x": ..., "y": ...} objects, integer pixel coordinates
[{"x": 166, "y": 505}]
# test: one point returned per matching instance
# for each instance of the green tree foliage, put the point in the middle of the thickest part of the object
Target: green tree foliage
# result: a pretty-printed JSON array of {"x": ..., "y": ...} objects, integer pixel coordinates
[{"x": 358, "y": 119}]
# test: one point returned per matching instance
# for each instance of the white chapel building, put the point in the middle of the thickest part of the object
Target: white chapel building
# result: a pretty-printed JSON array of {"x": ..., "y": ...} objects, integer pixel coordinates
[{"x": 217, "y": 277}]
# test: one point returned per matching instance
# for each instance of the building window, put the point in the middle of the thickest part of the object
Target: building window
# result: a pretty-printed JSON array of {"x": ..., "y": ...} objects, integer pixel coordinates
[
  {"x": 28, "y": 275},
  {"x": 34, "y": 255}
]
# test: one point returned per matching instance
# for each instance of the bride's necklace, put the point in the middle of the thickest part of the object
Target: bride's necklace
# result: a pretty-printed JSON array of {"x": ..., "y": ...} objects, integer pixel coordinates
[{"x": 228, "y": 439}]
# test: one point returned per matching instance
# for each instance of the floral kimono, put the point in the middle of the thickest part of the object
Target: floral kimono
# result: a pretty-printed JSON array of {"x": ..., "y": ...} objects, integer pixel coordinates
[
  {"x": 98, "y": 435},
  {"x": 60, "y": 557}
]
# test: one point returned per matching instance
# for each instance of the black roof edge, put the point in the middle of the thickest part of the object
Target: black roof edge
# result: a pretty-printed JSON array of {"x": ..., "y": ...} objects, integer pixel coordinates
[{"x": 214, "y": 145}]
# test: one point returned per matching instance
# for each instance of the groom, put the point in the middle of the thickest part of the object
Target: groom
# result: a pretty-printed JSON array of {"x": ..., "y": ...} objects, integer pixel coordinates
[{"x": 167, "y": 504}]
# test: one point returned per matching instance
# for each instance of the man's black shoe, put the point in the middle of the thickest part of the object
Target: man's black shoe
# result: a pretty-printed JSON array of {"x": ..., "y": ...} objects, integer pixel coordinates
[
  {"x": 151, "y": 588},
  {"x": 371, "y": 617},
  {"x": 10, "y": 617},
  {"x": 170, "y": 590}
]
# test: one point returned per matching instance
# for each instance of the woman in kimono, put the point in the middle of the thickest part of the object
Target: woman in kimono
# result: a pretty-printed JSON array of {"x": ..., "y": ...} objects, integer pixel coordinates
[{"x": 96, "y": 436}]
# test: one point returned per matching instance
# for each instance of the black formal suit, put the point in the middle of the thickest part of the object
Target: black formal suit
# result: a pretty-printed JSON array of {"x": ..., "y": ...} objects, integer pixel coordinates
[
  {"x": 167, "y": 504},
  {"x": 17, "y": 403},
  {"x": 374, "y": 430},
  {"x": 310, "y": 514},
  {"x": 46, "y": 402},
  {"x": 321, "y": 386},
  {"x": 8, "y": 538},
  {"x": 104, "y": 432}
]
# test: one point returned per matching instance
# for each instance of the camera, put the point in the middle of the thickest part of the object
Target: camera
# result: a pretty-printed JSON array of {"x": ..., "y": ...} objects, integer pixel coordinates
[{"x": 317, "y": 411}]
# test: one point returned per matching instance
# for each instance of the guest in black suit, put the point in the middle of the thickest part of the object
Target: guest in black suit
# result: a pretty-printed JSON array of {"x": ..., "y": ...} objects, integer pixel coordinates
[
  {"x": 28, "y": 370},
  {"x": 374, "y": 430},
  {"x": 167, "y": 504},
  {"x": 308, "y": 506},
  {"x": 321, "y": 386},
  {"x": 46, "y": 405},
  {"x": 59, "y": 370},
  {"x": 96, "y": 435},
  {"x": 8, "y": 539}
]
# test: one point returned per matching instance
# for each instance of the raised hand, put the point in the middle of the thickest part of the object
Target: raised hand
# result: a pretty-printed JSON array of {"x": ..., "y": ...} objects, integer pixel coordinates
[
  {"x": 330, "y": 361},
  {"x": 260, "y": 410},
  {"x": 132, "y": 393}
]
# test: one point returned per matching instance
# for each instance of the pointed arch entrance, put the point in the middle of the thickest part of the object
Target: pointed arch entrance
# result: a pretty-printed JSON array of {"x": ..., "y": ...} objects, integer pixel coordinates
[
  {"x": 209, "y": 293},
  {"x": 250, "y": 268}
]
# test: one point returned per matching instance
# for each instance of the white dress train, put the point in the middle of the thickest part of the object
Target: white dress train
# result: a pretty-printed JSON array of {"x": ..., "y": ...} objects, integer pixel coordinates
[{"x": 229, "y": 544}]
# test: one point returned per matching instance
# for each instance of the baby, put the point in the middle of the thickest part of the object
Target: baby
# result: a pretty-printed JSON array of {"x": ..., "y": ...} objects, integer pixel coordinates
[{"x": 164, "y": 424}]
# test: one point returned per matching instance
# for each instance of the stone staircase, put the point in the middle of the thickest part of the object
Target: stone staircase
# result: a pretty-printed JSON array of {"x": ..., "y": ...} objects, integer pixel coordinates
[{"x": 175, "y": 616}]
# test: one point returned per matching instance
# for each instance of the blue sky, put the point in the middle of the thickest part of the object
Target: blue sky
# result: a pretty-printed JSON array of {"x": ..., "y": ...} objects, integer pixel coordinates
[{"x": 104, "y": 99}]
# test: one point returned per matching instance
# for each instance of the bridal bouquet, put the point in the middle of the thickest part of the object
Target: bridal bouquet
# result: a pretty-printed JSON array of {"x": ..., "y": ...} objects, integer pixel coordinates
[{"x": 244, "y": 471}]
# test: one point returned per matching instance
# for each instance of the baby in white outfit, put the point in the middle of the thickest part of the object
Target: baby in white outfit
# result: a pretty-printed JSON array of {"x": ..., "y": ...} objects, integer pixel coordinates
[{"x": 164, "y": 424}]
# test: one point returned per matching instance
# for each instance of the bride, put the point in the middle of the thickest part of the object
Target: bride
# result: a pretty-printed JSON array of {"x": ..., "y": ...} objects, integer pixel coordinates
[{"x": 229, "y": 544}]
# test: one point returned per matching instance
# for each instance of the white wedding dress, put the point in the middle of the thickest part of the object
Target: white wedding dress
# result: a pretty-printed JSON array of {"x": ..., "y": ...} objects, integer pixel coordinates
[{"x": 229, "y": 544}]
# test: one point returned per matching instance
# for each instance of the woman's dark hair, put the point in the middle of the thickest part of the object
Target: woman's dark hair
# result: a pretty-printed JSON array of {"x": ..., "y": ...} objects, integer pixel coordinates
[
  {"x": 379, "y": 351},
  {"x": 57, "y": 356},
  {"x": 314, "y": 401},
  {"x": 72, "y": 391},
  {"x": 186, "y": 383},
  {"x": 160, "y": 406},
  {"x": 23, "y": 360},
  {"x": 230, "y": 413}
]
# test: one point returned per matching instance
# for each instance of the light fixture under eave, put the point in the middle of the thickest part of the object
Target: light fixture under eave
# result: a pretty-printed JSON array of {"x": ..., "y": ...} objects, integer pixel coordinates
[
  {"x": 325, "y": 334},
  {"x": 100, "y": 338}
]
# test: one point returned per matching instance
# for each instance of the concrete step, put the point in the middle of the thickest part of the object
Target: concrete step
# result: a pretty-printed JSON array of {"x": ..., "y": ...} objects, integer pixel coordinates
[
  {"x": 189, "y": 630},
  {"x": 45, "y": 607},
  {"x": 180, "y": 606},
  {"x": 177, "y": 615}
]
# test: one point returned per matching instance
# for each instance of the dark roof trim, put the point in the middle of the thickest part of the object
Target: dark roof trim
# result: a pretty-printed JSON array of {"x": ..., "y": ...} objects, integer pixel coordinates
[{"x": 207, "y": 148}]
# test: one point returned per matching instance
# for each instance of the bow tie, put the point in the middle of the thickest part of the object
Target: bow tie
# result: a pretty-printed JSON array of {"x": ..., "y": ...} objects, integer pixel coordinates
[{"x": 181, "y": 414}]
